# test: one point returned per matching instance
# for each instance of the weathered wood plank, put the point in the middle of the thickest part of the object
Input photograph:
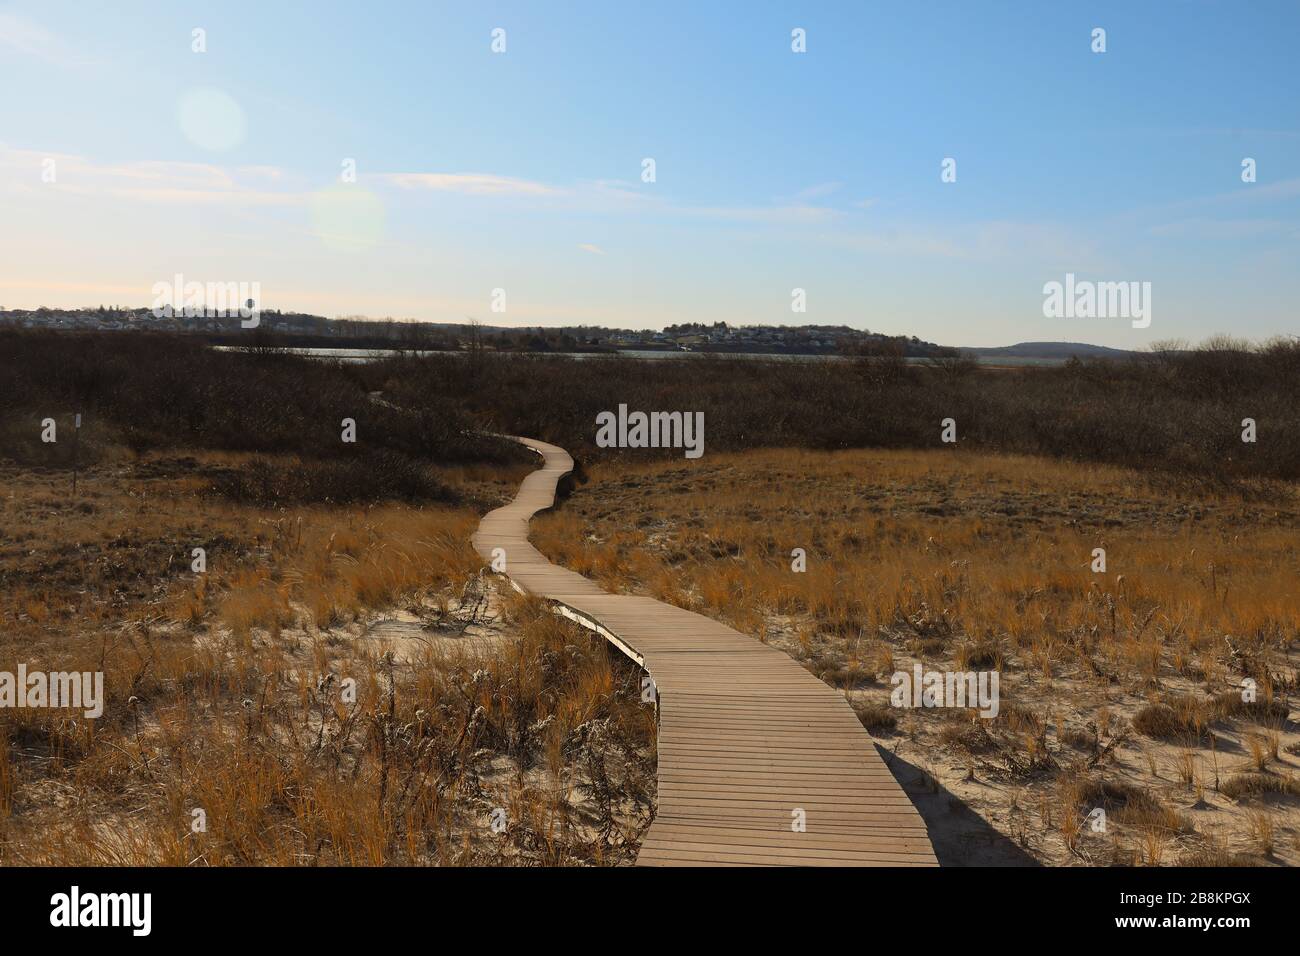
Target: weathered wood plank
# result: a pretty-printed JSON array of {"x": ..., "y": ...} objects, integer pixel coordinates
[{"x": 748, "y": 739}]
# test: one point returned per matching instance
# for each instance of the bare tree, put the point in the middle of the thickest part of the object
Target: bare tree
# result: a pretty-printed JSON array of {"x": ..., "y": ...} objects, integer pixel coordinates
[
  {"x": 953, "y": 363},
  {"x": 474, "y": 347}
]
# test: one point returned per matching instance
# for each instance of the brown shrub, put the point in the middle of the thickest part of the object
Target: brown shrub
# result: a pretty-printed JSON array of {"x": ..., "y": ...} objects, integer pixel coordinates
[{"x": 877, "y": 718}]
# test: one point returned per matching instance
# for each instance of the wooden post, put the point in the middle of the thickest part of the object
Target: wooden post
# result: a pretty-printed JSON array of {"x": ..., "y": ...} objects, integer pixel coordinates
[{"x": 76, "y": 435}]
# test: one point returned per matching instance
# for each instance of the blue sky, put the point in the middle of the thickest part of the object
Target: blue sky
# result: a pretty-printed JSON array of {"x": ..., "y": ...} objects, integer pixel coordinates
[{"x": 774, "y": 170}]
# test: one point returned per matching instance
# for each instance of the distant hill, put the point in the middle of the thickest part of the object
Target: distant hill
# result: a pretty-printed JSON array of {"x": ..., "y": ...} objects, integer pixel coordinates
[{"x": 1050, "y": 350}]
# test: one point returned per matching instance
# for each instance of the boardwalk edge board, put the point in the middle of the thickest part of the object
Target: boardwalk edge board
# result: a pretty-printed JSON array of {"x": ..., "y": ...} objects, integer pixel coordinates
[{"x": 811, "y": 789}]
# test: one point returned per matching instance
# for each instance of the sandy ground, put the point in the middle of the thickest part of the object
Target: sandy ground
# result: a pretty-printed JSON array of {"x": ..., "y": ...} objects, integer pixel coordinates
[{"x": 1018, "y": 789}]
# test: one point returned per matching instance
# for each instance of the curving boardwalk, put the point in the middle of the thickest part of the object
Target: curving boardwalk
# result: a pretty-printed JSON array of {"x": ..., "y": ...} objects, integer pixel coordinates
[{"x": 749, "y": 741}]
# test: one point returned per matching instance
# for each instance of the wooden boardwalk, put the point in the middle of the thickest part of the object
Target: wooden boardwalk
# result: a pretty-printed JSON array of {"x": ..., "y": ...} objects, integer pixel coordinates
[{"x": 750, "y": 744}]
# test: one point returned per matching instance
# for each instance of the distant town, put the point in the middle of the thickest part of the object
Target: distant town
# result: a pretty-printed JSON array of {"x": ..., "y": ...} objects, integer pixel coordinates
[
  {"x": 277, "y": 329},
  {"x": 294, "y": 329}
]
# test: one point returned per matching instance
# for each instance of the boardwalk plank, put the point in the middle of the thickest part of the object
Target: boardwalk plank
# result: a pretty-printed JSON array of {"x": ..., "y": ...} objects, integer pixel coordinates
[{"x": 747, "y": 736}]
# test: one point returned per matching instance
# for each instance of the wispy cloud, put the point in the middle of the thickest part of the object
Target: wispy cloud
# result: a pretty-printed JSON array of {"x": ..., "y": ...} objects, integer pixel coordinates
[
  {"x": 1241, "y": 195},
  {"x": 610, "y": 197},
  {"x": 180, "y": 183},
  {"x": 1225, "y": 229},
  {"x": 993, "y": 240},
  {"x": 27, "y": 37},
  {"x": 151, "y": 181},
  {"x": 473, "y": 184},
  {"x": 789, "y": 215},
  {"x": 1244, "y": 132},
  {"x": 203, "y": 197},
  {"x": 199, "y": 175},
  {"x": 818, "y": 191},
  {"x": 211, "y": 185}
]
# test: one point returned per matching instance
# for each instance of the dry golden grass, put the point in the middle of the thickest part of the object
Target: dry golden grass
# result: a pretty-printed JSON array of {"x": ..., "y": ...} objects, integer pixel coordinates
[
  {"x": 976, "y": 562},
  {"x": 123, "y": 547},
  {"x": 1261, "y": 830},
  {"x": 945, "y": 544},
  {"x": 228, "y": 692}
]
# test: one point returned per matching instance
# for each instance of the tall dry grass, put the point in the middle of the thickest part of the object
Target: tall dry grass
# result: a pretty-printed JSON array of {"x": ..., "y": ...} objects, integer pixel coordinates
[
  {"x": 955, "y": 551},
  {"x": 1128, "y": 678},
  {"x": 286, "y": 769},
  {"x": 228, "y": 692}
]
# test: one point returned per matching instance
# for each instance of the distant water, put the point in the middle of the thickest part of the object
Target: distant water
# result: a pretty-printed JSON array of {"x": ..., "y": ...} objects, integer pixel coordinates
[
  {"x": 370, "y": 355},
  {"x": 789, "y": 357},
  {"x": 337, "y": 355}
]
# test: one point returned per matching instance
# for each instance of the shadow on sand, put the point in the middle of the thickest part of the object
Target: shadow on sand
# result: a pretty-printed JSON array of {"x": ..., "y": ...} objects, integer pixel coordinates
[{"x": 961, "y": 837}]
